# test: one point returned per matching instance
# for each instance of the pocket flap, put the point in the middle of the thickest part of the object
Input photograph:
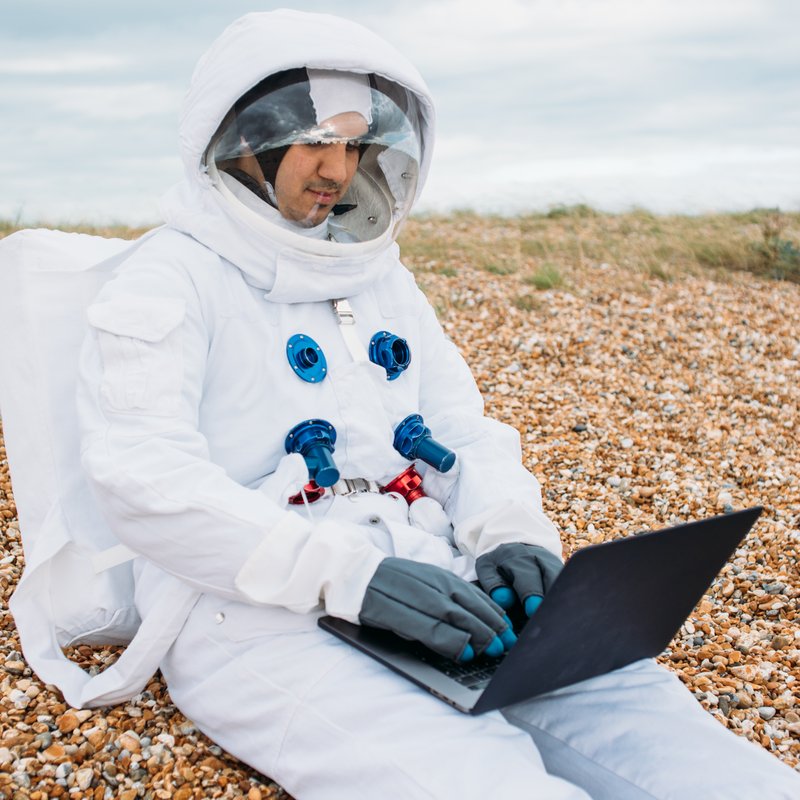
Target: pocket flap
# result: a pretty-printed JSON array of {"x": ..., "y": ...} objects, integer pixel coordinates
[{"x": 147, "y": 318}]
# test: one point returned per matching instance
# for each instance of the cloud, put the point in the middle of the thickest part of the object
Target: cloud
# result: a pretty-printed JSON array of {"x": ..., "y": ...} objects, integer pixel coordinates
[
  {"x": 462, "y": 37},
  {"x": 674, "y": 181},
  {"x": 118, "y": 102},
  {"x": 67, "y": 63}
]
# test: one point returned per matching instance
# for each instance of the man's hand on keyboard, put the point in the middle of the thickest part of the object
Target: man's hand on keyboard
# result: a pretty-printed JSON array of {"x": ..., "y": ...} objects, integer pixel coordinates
[
  {"x": 428, "y": 604},
  {"x": 515, "y": 570}
]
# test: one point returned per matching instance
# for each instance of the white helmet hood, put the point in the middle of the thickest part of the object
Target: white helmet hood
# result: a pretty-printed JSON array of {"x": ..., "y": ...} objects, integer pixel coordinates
[{"x": 252, "y": 48}]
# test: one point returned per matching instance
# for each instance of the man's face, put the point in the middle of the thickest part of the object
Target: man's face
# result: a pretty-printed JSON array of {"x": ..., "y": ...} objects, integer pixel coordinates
[{"x": 312, "y": 178}]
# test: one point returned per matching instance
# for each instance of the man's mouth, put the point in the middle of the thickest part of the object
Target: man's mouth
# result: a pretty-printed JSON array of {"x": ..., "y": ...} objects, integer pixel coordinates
[{"x": 324, "y": 196}]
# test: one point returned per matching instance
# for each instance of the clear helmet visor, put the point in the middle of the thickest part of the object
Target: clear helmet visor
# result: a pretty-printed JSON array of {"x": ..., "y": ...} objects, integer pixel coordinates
[{"x": 325, "y": 145}]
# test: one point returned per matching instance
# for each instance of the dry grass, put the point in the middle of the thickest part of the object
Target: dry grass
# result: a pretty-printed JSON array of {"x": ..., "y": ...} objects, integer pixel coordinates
[{"x": 547, "y": 250}]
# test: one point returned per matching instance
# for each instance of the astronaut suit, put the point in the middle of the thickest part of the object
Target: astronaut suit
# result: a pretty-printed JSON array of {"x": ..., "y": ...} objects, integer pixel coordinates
[{"x": 269, "y": 315}]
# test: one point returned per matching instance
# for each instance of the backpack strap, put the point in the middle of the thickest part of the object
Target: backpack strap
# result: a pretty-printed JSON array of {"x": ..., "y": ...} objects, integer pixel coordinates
[{"x": 112, "y": 557}]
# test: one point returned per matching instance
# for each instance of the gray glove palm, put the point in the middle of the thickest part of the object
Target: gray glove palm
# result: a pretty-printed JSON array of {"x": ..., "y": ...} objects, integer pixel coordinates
[
  {"x": 515, "y": 570},
  {"x": 430, "y": 605}
]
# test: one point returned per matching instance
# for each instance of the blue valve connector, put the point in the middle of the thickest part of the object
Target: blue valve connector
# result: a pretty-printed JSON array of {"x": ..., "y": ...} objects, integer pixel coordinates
[
  {"x": 314, "y": 440},
  {"x": 390, "y": 352},
  {"x": 413, "y": 441},
  {"x": 306, "y": 358}
]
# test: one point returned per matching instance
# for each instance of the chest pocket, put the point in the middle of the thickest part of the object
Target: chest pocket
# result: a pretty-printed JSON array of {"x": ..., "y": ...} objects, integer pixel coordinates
[{"x": 142, "y": 353}]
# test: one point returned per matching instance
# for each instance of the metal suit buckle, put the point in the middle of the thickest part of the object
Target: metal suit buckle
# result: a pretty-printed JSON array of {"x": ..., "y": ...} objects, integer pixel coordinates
[
  {"x": 349, "y": 486},
  {"x": 344, "y": 312}
]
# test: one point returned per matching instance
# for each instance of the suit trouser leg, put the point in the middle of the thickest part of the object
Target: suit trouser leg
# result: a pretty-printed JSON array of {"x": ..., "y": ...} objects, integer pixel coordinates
[
  {"x": 327, "y": 722},
  {"x": 637, "y": 733}
]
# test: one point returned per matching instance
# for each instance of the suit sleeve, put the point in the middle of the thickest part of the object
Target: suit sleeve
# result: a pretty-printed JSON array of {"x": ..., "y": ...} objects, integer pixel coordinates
[
  {"x": 490, "y": 497},
  {"x": 143, "y": 367}
]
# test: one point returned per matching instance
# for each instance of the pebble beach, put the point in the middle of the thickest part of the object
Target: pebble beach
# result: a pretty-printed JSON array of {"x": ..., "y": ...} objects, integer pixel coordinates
[{"x": 644, "y": 396}]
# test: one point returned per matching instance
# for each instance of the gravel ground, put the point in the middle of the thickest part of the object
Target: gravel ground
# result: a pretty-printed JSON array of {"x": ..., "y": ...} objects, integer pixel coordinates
[{"x": 640, "y": 402}]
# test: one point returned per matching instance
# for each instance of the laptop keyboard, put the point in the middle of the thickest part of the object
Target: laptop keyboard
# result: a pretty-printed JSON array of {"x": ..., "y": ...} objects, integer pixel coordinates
[{"x": 474, "y": 675}]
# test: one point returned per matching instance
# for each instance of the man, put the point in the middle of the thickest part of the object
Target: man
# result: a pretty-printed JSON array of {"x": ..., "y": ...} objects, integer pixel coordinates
[{"x": 256, "y": 377}]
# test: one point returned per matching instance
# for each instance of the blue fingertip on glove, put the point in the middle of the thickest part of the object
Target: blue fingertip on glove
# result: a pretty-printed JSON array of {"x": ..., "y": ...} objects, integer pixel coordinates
[
  {"x": 467, "y": 654},
  {"x": 531, "y": 604},
  {"x": 508, "y": 637},
  {"x": 503, "y": 596},
  {"x": 495, "y": 648}
]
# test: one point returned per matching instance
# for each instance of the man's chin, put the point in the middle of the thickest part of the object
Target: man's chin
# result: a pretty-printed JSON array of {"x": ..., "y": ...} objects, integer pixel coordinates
[{"x": 316, "y": 216}]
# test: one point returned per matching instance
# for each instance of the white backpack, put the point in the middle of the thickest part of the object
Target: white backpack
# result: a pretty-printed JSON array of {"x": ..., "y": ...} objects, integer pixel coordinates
[{"x": 77, "y": 586}]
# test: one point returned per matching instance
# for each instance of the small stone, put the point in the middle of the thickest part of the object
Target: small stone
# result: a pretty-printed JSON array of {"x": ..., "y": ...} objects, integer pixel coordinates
[
  {"x": 747, "y": 672},
  {"x": 45, "y": 740},
  {"x": 63, "y": 770},
  {"x": 724, "y": 499},
  {"x": 111, "y": 780},
  {"x": 766, "y": 713},
  {"x": 14, "y": 666},
  {"x": 579, "y": 428},
  {"x": 22, "y": 780},
  {"x": 55, "y": 752},
  {"x": 129, "y": 741},
  {"x": 83, "y": 778},
  {"x": 166, "y": 739},
  {"x": 19, "y": 699},
  {"x": 67, "y": 722}
]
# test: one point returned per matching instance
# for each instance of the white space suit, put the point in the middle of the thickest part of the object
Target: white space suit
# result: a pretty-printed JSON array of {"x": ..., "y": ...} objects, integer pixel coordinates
[{"x": 186, "y": 397}]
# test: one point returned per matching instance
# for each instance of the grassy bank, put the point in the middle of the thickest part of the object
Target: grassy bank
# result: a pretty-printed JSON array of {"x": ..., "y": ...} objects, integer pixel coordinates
[{"x": 548, "y": 250}]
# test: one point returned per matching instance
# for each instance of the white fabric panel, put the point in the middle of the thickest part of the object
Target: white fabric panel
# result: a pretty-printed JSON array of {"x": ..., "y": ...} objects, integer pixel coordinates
[{"x": 335, "y": 93}]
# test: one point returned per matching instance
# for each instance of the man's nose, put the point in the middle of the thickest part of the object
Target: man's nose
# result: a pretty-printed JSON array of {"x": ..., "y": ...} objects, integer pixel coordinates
[{"x": 333, "y": 162}]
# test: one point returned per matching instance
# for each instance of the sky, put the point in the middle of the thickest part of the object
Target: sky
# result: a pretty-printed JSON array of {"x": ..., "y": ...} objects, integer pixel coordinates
[{"x": 676, "y": 106}]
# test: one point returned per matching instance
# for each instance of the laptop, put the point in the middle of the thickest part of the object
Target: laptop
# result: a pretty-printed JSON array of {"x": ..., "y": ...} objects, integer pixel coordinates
[{"x": 612, "y": 604}]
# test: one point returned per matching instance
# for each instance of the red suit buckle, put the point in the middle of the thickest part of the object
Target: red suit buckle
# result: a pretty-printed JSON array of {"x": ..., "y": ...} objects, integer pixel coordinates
[
  {"x": 408, "y": 484},
  {"x": 312, "y": 492}
]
